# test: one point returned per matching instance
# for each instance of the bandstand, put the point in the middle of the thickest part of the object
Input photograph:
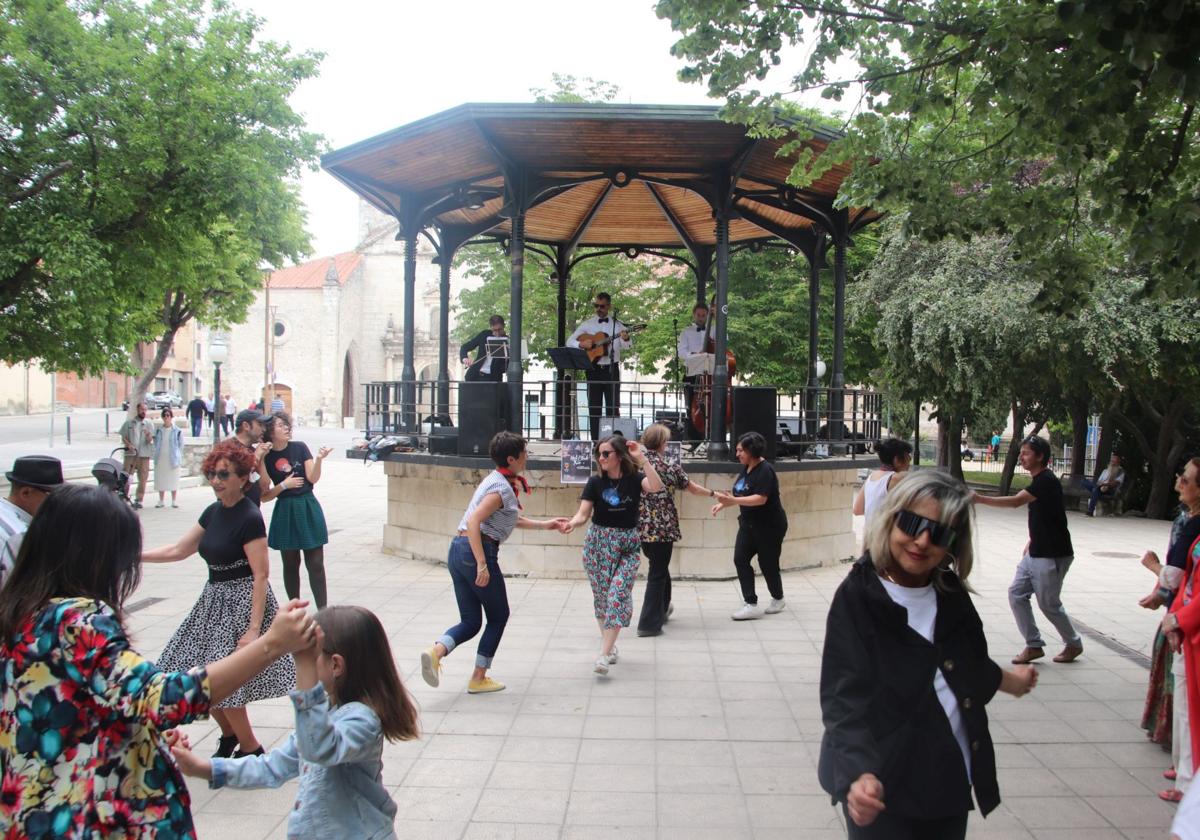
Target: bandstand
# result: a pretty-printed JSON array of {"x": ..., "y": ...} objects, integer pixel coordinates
[{"x": 674, "y": 182}]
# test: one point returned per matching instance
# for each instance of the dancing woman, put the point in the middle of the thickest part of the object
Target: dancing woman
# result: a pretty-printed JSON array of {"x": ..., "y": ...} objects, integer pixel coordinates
[
  {"x": 611, "y": 499},
  {"x": 474, "y": 563}
]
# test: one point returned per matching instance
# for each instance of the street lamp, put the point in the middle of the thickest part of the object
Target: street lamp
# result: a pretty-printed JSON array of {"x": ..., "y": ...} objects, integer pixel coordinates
[
  {"x": 218, "y": 352},
  {"x": 819, "y": 369}
]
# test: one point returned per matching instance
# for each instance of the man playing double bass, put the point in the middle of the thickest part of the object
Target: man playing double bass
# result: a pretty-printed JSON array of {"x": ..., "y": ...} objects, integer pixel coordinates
[
  {"x": 491, "y": 358},
  {"x": 604, "y": 376},
  {"x": 691, "y": 341}
]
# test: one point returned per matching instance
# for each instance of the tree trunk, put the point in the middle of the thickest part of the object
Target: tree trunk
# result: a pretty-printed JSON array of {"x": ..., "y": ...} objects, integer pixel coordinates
[
  {"x": 1014, "y": 448},
  {"x": 151, "y": 370},
  {"x": 1104, "y": 445},
  {"x": 1168, "y": 449},
  {"x": 1078, "y": 407}
]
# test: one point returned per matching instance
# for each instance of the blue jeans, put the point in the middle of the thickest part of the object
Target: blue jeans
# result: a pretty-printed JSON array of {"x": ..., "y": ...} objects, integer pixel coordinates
[
  {"x": 196, "y": 421},
  {"x": 1094, "y": 489},
  {"x": 491, "y": 600}
]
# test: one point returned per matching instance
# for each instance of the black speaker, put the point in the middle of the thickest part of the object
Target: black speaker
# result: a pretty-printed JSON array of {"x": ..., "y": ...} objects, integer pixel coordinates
[
  {"x": 443, "y": 440},
  {"x": 754, "y": 411},
  {"x": 482, "y": 411}
]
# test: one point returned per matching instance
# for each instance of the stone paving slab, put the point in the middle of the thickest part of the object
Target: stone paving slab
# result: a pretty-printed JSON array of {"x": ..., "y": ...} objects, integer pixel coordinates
[{"x": 708, "y": 731}]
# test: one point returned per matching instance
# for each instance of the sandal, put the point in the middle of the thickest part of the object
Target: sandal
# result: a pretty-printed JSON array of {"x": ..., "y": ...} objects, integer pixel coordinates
[
  {"x": 1171, "y": 795},
  {"x": 1169, "y": 774}
]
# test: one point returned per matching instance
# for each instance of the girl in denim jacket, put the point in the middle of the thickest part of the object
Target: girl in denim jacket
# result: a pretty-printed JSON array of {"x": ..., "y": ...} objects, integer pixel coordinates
[{"x": 349, "y": 698}]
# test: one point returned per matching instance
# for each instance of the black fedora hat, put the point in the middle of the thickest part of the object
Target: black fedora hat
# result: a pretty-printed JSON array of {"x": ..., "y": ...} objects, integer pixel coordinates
[{"x": 41, "y": 471}]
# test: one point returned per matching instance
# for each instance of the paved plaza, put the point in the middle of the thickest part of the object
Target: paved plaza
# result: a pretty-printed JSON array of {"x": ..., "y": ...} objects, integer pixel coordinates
[{"x": 708, "y": 731}]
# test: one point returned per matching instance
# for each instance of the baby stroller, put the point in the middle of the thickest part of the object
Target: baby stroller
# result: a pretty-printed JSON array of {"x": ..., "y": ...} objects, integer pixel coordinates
[{"x": 110, "y": 473}]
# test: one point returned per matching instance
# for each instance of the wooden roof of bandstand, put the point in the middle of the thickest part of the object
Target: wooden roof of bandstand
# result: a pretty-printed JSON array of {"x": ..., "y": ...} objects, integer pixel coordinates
[{"x": 634, "y": 178}]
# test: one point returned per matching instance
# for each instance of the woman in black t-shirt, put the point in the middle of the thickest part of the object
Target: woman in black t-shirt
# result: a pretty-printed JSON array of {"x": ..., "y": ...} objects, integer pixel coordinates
[
  {"x": 297, "y": 523},
  {"x": 611, "y": 499},
  {"x": 762, "y": 525},
  {"x": 236, "y": 605}
]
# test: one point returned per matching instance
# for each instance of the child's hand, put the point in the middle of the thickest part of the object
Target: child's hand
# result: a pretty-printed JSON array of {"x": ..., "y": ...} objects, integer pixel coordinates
[
  {"x": 177, "y": 738},
  {"x": 191, "y": 764}
]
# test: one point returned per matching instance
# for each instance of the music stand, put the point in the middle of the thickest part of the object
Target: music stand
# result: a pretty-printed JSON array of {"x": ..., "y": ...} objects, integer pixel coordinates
[{"x": 569, "y": 359}]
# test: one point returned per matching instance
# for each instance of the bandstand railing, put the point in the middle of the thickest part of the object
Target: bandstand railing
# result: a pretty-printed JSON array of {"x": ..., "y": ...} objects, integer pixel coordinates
[{"x": 846, "y": 419}]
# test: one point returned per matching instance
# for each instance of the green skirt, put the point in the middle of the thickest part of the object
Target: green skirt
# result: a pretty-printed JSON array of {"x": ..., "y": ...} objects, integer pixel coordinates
[{"x": 297, "y": 522}]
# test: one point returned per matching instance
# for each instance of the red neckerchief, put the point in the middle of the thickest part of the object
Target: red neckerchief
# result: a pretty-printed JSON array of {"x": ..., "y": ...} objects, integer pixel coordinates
[{"x": 517, "y": 482}]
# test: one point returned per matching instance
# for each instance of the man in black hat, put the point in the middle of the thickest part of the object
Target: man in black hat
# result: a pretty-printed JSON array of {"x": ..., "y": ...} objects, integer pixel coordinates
[
  {"x": 248, "y": 429},
  {"x": 31, "y": 478}
]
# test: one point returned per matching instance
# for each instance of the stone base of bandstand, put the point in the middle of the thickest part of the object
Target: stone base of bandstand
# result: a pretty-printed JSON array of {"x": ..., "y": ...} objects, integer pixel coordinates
[{"x": 427, "y": 495}]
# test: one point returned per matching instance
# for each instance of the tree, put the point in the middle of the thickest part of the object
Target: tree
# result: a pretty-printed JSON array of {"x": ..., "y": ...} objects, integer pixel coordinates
[
  {"x": 145, "y": 158},
  {"x": 987, "y": 115}
]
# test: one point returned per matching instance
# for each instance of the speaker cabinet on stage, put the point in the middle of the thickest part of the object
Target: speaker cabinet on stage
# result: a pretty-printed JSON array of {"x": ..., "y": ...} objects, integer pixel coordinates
[
  {"x": 482, "y": 411},
  {"x": 754, "y": 411}
]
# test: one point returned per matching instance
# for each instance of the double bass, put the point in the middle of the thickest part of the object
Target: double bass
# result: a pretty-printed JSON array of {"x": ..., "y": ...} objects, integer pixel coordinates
[{"x": 701, "y": 408}]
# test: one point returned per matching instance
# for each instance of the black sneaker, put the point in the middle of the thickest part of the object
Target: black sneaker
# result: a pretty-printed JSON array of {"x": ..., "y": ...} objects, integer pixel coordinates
[
  {"x": 226, "y": 744},
  {"x": 240, "y": 754}
]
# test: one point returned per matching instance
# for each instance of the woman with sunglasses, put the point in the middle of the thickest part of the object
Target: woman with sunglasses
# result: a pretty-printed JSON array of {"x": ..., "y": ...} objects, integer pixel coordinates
[
  {"x": 905, "y": 673},
  {"x": 611, "y": 499},
  {"x": 236, "y": 605}
]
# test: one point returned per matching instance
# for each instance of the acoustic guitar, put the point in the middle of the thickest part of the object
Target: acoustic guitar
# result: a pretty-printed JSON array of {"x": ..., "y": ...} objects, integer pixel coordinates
[{"x": 600, "y": 340}]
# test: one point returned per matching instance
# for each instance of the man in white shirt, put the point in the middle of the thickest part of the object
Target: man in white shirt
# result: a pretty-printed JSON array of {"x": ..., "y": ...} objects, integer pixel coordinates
[
  {"x": 31, "y": 479},
  {"x": 227, "y": 417},
  {"x": 691, "y": 341},
  {"x": 1108, "y": 484},
  {"x": 604, "y": 376}
]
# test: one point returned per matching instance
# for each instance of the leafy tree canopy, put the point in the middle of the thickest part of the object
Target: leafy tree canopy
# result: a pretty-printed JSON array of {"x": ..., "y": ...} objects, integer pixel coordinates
[
  {"x": 1022, "y": 119},
  {"x": 145, "y": 157}
]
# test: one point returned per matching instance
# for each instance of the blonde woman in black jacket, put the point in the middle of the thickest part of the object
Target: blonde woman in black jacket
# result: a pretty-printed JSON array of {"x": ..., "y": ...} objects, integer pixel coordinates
[{"x": 905, "y": 674}]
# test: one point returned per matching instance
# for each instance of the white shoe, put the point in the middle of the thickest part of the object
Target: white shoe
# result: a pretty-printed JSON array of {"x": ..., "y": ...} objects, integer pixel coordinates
[
  {"x": 601, "y": 666},
  {"x": 776, "y": 606},
  {"x": 747, "y": 612},
  {"x": 611, "y": 658},
  {"x": 670, "y": 609}
]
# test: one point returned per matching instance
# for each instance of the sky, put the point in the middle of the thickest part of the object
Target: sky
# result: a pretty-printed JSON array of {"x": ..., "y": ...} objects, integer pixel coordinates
[{"x": 388, "y": 64}]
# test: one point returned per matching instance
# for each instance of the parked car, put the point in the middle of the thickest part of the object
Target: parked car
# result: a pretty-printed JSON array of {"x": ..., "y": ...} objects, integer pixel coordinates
[{"x": 158, "y": 400}]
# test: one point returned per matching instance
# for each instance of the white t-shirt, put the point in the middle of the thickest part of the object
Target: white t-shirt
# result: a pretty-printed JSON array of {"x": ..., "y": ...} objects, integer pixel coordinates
[
  {"x": 920, "y": 602},
  {"x": 1187, "y": 819}
]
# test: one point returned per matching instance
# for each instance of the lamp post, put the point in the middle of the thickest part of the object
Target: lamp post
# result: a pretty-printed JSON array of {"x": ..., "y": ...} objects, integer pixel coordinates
[{"x": 218, "y": 352}]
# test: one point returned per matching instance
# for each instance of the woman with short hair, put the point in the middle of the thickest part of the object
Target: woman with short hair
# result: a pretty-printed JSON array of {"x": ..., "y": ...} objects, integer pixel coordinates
[
  {"x": 905, "y": 674},
  {"x": 762, "y": 525},
  {"x": 236, "y": 605},
  {"x": 85, "y": 720},
  {"x": 474, "y": 562},
  {"x": 658, "y": 521}
]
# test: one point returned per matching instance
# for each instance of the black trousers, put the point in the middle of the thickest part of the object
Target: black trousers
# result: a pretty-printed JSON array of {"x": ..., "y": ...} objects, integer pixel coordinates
[
  {"x": 891, "y": 827},
  {"x": 604, "y": 395},
  {"x": 658, "y": 587},
  {"x": 689, "y": 428},
  {"x": 766, "y": 541}
]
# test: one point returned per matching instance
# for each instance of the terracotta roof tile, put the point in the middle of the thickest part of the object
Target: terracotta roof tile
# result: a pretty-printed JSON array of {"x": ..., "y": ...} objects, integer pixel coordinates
[{"x": 311, "y": 274}]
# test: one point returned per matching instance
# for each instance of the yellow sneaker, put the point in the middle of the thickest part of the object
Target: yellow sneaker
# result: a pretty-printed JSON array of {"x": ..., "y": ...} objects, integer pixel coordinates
[
  {"x": 431, "y": 666},
  {"x": 484, "y": 686}
]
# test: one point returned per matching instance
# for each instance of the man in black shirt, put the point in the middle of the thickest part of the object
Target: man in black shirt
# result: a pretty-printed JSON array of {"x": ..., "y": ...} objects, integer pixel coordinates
[
  {"x": 1047, "y": 558},
  {"x": 491, "y": 358},
  {"x": 195, "y": 412}
]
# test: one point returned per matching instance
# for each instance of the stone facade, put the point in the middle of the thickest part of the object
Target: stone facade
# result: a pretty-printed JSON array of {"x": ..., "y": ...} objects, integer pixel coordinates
[
  {"x": 426, "y": 501},
  {"x": 339, "y": 325}
]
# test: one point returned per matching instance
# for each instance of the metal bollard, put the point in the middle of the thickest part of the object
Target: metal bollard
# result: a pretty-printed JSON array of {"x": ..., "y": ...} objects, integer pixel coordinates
[
  {"x": 68, "y": 430},
  {"x": 106, "y": 432}
]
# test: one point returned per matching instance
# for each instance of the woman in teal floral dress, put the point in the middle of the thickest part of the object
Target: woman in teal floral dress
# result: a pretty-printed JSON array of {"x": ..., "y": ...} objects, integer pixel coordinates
[{"x": 83, "y": 717}]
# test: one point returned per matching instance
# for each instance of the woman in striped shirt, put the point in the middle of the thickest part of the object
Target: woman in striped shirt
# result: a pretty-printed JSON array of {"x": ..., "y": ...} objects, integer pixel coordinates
[{"x": 492, "y": 514}]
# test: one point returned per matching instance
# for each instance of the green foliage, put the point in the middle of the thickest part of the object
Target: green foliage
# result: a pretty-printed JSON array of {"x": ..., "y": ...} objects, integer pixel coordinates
[
  {"x": 1032, "y": 121},
  {"x": 567, "y": 88},
  {"x": 145, "y": 158}
]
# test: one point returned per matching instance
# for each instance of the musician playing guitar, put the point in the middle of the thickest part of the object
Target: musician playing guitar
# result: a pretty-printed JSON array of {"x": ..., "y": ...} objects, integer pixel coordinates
[
  {"x": 487, "y": 366},
  {"x": 609, "y": 337},
  {"x": 691, "y": 341}
]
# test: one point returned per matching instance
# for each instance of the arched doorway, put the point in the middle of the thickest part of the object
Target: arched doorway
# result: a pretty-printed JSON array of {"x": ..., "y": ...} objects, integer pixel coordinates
[
  {"x": 347, "y": 387},
  {"x": 283, "y": 392}
]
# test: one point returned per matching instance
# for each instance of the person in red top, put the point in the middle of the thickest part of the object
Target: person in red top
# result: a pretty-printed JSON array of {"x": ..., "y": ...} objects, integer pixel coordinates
[{"x": 1182, "y": 628}]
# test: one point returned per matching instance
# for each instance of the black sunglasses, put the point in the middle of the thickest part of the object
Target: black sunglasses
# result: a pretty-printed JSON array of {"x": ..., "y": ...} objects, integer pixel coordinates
[
  {"x": 221, "y": 474},
  {"x": 914, "y": 525}
]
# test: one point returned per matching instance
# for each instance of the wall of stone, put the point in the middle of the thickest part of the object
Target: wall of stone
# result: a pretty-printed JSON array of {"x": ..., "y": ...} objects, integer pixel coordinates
[{"x": 426, "y": 503}]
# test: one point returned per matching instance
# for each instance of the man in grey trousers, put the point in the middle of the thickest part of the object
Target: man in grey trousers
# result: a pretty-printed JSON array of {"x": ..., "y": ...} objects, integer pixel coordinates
[{"x": 1047, "y": 558}]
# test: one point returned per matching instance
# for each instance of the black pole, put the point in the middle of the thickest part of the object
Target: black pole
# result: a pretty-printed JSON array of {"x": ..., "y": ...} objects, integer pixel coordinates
[
  {"x": 816, "y": 259},
  {"x": 838, "y": 382},
  {"x": 563, "y": 392},
  {"x": 446, "y": 257},
  {"x": 408, "y": 372},
  {"x": 917, "y": 434},
  {"x": 718, "y": 446},
  {"x": 516, "y": 294}
]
